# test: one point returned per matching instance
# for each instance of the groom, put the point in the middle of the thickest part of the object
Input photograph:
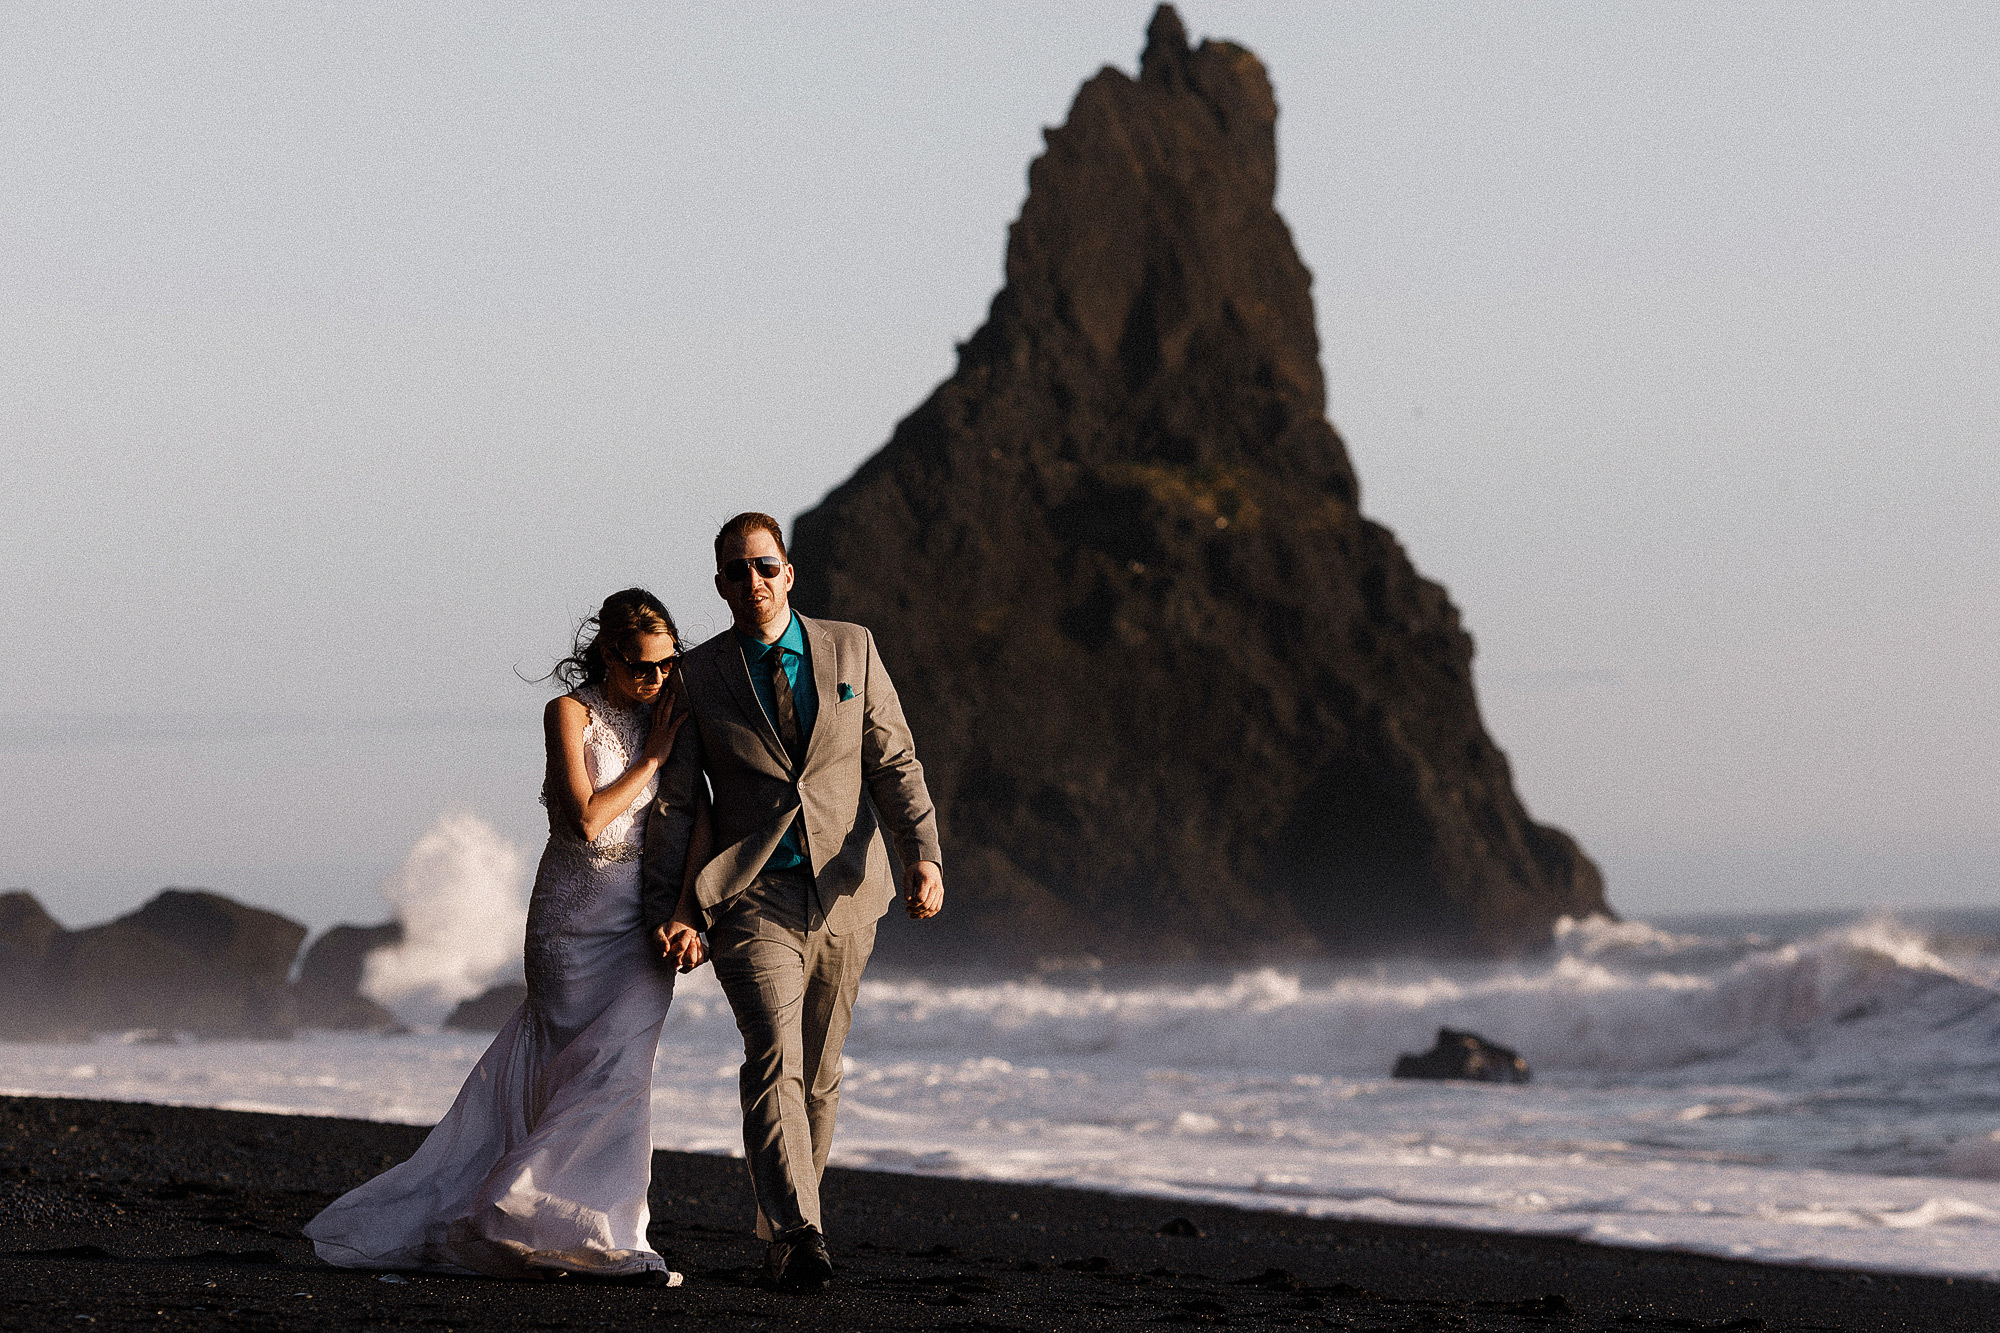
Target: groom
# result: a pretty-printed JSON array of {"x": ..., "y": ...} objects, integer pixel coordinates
[{"x": 801, "y": 739}]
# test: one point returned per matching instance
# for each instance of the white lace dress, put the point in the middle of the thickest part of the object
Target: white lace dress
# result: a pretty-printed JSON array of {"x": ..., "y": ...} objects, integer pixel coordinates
[{"x": 541, "y": 1166}]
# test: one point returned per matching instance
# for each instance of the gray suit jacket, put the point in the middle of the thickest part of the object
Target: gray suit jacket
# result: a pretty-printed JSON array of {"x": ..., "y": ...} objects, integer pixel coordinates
[{"x": 860, "y": 768}]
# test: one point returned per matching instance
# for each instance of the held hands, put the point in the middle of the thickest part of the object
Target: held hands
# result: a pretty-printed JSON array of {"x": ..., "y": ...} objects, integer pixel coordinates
[
  {"x": 923, "y": 890},
  {"x": 681, "y": 945},
  {"x": 923, "y": 897}
]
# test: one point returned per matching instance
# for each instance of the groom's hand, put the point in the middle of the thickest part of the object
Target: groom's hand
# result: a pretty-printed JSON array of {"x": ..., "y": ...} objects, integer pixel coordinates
[
  {"x": 923, "y": 890},
  {"x": 680, "y": 944}
]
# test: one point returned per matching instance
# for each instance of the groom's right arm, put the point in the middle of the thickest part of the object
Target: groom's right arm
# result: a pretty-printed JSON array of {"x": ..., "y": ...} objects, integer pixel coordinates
[{"x": 669, "y": 826}]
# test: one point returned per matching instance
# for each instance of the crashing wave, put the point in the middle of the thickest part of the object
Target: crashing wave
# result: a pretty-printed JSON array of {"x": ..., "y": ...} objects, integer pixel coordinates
[{"x": 1616, "y": 998}]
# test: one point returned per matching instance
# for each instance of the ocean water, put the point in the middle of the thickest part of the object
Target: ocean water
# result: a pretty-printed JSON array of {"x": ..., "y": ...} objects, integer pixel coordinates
[{"x": 1800, "y": 1089}]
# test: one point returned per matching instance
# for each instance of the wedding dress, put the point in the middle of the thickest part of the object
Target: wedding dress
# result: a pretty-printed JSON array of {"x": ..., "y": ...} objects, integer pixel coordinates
[{"x": 542, "y": 1164}]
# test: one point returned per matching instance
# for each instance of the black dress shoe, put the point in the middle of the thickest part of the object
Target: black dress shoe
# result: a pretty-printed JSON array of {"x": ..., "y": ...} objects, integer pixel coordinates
[{"x": 798, "y": 1261}]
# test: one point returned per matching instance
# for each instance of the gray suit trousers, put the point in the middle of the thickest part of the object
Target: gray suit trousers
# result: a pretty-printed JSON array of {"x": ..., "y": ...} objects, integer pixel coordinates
[{"x": 792, "y": 987}]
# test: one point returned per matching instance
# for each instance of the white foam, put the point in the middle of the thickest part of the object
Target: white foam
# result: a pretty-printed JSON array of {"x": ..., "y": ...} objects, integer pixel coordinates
[
  {"x": 1595, "y": 935},
  {"x": 1868, "y": 997},
  {"x": 461, "y": 896}
]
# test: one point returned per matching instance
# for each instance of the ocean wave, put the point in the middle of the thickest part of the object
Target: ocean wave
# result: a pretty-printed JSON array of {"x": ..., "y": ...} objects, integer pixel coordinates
[
  {"x": 1614, "y": 998},
  {"x": 461, "y": 898}
]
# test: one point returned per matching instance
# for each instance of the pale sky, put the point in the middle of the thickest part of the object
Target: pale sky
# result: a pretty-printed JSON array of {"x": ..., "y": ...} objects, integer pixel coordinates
[{"x": 350, "y": 353}]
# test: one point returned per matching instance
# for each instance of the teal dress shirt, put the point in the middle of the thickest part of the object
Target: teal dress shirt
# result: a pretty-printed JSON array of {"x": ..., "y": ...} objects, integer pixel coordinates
[{"x": 796, "y": 656}]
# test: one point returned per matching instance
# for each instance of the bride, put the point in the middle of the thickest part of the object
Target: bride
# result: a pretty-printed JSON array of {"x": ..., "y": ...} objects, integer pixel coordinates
[{"x": 541, "y": 1167}]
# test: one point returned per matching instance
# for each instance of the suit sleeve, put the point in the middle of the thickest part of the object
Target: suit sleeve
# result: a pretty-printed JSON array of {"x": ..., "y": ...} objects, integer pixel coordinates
[
  {"x": 669, "y": 825},
  {"x": 889, "y": 768}
]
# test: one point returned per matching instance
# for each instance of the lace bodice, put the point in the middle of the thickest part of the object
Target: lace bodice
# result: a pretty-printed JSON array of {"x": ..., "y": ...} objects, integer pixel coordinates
[{"x": 612, "y": 738}]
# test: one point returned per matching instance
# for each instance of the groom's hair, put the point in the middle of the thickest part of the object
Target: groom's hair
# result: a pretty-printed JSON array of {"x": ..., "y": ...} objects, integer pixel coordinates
[{"x": 745, "y": 524}]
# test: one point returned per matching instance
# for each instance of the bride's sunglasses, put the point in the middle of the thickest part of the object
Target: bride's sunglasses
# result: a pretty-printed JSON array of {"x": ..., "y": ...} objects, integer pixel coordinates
[
  {"x": 647, "y": 670},
  {"x": 768, "y": 567}
]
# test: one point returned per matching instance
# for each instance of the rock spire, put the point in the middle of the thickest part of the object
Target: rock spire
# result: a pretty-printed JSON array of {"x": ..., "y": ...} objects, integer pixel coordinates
[{"x": 1176, "y": 696}]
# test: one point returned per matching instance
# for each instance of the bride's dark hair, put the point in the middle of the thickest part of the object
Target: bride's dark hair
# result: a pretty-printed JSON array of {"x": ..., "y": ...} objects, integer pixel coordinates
[{"x": 624, "y": 614}]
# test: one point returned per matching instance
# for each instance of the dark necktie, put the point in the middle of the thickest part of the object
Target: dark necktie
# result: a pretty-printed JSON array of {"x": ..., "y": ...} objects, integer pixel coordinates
[{"x": 788, "y": 708}]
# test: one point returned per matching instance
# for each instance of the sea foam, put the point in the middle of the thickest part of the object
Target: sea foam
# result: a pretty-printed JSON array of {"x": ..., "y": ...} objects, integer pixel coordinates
[{"x": 462, "y": 898}]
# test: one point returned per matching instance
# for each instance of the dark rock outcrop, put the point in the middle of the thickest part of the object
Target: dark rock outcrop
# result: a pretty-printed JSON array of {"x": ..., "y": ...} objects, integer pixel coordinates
[
  {"x": 28, "y": 1009},
  {"x": 1175, "y": 696},
  {"x": 1464, "y": 1055},
  {"x": 188, "y": 961},
  {"x": 329, "y": 985},
  {"x": 26, "y": 928},
  {"x": 489, "y": 1010}
]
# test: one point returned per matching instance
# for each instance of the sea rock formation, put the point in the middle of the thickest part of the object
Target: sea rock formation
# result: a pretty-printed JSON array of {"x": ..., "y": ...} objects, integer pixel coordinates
[
  {"x": 489, "y": 1010},
  {"x": 1464, "y": 1055},
  {"x": 1176, "y": 697},
  {"x": 188, "y": 960},
  {"x": 27, "y": 1008},
  {"x": 329, "y": 985}
]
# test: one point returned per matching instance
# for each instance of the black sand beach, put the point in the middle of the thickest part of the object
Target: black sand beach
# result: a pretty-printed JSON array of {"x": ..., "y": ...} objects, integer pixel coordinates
[{"x": 118, "y": 1214}]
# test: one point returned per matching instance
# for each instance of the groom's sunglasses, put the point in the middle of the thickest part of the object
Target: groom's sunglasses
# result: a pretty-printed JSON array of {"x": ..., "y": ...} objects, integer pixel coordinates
[
  {"x": 646, "y": 670},
  {"x": 738, "y": 571}
]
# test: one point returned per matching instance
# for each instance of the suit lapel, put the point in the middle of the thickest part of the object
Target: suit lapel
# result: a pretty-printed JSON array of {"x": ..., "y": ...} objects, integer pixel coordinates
[
  {"x": 735, "y": 668},
  {"x": 826, "y": 681}
]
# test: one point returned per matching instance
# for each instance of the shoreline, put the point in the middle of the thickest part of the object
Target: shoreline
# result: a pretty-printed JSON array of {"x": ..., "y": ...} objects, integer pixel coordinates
[
  {"x": 1887, "y": 1225},
  {"x": 129, "y": 1213}
]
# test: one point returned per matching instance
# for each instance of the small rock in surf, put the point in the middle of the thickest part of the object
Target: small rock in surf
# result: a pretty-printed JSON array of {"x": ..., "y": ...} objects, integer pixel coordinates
[{"x": 1464, "y": 1055}]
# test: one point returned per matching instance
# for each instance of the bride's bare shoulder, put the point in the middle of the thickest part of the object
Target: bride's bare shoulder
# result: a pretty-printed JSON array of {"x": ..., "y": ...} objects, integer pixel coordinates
[{"x": 567, "y": 712}]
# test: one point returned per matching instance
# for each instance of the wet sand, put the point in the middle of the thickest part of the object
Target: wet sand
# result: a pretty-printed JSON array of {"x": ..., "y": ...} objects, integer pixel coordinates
[{"x": 118, "y": 1214}]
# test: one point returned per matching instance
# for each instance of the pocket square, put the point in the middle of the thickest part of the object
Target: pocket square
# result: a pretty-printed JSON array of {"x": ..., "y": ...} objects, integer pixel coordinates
[{"x": 846, "y": 691}]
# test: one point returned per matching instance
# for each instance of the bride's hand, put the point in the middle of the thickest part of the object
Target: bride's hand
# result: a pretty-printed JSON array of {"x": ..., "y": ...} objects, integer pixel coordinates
[
  {"x": 668, "y": 719},
  {"x": 681, "y": 945}
]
